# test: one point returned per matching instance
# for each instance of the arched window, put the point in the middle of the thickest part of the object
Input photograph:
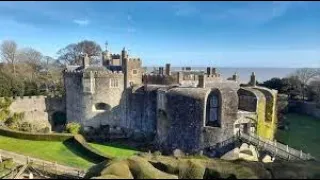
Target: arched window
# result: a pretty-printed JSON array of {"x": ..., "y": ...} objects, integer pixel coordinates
[
  {"x": 212, "y": 117},
  {"x": 101, "y": 107}
]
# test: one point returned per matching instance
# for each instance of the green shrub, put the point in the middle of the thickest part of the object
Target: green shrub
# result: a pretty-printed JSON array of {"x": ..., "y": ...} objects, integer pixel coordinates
[
  {"x": 25, "y": 126},
  {"x": 46, "y": 130},
  {"x": 73, "y": 128},
  {"x": 157, "y": 153},
  {"x": 35, "y": 136}
]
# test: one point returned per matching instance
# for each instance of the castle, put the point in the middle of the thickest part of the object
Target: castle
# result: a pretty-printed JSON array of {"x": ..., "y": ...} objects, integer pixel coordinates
[{"x": 186, "y": 109}]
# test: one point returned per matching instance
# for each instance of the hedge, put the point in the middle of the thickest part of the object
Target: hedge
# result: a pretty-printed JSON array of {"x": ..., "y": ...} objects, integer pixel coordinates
[
  {"x": 90, "y": 151},
  {"x": 35, "y": 136}
]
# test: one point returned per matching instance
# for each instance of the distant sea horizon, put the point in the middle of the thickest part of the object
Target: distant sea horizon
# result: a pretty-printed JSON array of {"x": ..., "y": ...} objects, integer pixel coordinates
[{"x": 244, "y": 73}]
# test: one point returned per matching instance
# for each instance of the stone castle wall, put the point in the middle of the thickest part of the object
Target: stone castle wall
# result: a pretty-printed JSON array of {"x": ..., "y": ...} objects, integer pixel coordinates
[
  {"x": 82, "y": 106},
  {"x": 38, "y": 109},
  {"x": 134, "y": 71}
]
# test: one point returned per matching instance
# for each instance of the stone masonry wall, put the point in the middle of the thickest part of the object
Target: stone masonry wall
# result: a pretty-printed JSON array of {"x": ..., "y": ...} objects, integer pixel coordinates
[
  {"x": 229, "y": 109},
  {"x": 134, "y": 71},
  {"x": 247, "y": 100},
  {"x": 38, "y": 109},
  {"x": 105, "y": 93}
]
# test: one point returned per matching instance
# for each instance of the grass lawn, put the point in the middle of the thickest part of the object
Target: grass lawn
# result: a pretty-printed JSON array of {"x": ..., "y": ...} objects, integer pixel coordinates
[
  {"x": 115, "y": 149},
  {"x": 303, "y": 134},
  {"x": 50, "y": 151}
]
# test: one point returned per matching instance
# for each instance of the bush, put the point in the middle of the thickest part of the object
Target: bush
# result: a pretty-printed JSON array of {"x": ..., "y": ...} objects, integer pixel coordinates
[
  {"x": 35, "y": 136},
  {"x": 73, "y": 128}
]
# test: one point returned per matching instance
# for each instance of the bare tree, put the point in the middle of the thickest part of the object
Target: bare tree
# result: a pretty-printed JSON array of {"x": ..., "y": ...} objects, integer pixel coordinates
[
  {"x": 71, "y": 53},
  {"x": 305, "y": 75},
  {"x": 314, "y": 88},
  {"x": 8, "y": 51},
  {"x": 31, "y": 57}
]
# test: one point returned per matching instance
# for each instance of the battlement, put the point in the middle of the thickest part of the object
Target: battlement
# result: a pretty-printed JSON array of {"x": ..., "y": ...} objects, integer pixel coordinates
[
  {"x": 115, "y": 55},
  {"x": 159, "y": 79},
  {"x": 134, "y": 59},
  {"x": 190, "y": 77},
  {"x": 37, "y": 97},
  {"x": 96, "y": 73},
  {"x": 102, "y": 73}
]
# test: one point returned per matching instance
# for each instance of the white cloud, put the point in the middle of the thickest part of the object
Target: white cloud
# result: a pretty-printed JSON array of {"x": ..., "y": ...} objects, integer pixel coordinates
[{"x": 81, "y": 22}]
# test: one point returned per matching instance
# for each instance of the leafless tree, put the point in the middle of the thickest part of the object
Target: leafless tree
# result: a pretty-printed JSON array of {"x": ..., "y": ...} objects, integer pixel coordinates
[
  {"x": 305, "y": 75},
  {"x": 314, "y": 87},
  {"x": 31, "y": 57},
  {"x": 8, "y": 51},
  {"x": 71, "y": 53}
]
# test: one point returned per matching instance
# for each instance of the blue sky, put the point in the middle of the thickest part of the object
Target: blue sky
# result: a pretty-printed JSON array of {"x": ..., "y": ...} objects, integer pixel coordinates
[{"x": 222, "y": 34}]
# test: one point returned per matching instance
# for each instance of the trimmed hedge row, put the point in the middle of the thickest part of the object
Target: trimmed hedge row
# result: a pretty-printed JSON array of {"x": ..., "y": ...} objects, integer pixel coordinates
[
  {"x": 90, "y": 151},
  {"x": 78, "y": 139},
  {"x": 35, "y": 136}
]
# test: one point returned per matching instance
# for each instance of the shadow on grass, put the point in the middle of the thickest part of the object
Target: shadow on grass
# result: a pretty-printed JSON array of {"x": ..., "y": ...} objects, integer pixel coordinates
[
  {"x": 120, "y": 145},
  {"x": 78, "y": 150}
]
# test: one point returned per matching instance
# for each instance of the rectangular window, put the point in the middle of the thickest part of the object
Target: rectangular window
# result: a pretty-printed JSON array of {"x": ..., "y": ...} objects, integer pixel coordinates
[
  {"x": 114, "y": 83},
  {"x": 213, "y": 112},
  {"x": 89, "y": 83},
  {"x": 134, "y": 71}
]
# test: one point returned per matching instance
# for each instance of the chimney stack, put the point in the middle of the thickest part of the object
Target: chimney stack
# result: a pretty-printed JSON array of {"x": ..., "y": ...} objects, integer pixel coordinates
[
  {"x": 85, "y": 61},
  {"x": 253, "y": 80},
  {"x": 161, "y": 70},
  {"x": 168, "y": 70},
  {"x": 235, "y": 77},
  {"x": 213, "y": 71},
  {"x": 208, "y": 71}
]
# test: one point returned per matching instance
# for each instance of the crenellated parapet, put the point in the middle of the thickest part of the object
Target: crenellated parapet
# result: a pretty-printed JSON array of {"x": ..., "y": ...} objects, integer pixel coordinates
[
  {"x": 85, "y": 74},
  {"x": 98, "y": 74},
  {"x": 115, "y": 56},
  {"x": 134, "y": 59},
  {"x": 36, "y": 97},
  {"x": 159, "y": 79}
]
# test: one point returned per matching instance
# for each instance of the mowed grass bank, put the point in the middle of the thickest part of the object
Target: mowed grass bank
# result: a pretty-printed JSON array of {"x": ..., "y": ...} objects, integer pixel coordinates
[
  {"x": 47, "y": 150},
  {"x": 65, "y": 153},
  {"x": 115, "y": 150},
  {"x": 303, "y": 134}
]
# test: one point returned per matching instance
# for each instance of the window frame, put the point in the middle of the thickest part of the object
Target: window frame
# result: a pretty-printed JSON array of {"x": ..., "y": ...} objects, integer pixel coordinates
[{"x": 212, "y": 106}]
